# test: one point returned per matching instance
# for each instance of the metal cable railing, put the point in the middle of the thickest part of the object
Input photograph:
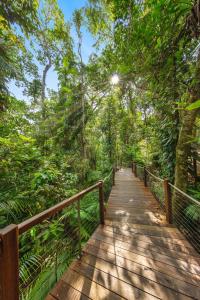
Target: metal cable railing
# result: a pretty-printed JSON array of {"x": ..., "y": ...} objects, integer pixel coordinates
[
  {"x": 186, "y": 215},
  {"x": 48, "y": 242},
  {"x": 140, "y": 172},
  {"x": 109, "y": 181},
  {"x": 181, "y": 209},
  {"x": 53, "y": 244},
  {"x": 155, "y": 184}
]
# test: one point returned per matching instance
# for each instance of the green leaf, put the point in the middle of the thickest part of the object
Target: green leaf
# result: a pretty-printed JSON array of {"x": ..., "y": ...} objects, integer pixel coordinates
[
  {"x": 65, "y": 89},
  {"x": 194, "y": 105}
]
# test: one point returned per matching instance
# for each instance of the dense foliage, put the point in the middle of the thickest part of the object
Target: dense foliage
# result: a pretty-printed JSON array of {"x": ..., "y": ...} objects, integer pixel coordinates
[{"x": 54, "y": 143}]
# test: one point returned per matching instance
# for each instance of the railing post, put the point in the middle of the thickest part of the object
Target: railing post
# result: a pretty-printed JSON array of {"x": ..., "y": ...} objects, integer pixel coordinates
[
  {"x": 168, "y": 201},
  {"x": 145, "y": 177},
  {"x": 79, "y": 228},
  {"x": 135, "y": 169},
  {"x": 9, "y": 263},
  {"x": 101, "y": 202},
  {"x": 113, "y": 176}
]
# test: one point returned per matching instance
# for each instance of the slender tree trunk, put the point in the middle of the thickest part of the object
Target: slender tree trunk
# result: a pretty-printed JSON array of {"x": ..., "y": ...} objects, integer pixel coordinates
[
  {"x": 83, "y": 142},
  {"x": 43, "y": 96},
  {"x": 44, "y": 76}
]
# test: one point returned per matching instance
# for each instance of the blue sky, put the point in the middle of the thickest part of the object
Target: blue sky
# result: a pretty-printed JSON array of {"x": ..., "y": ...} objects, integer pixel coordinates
[{"x": 68, "y": 7}]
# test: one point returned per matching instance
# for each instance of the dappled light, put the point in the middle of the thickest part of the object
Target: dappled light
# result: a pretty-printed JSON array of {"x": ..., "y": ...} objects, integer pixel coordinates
[
  {"x": 114, "y": 79},
  {"x": 134, "y": 260},
  {"x": 99, "y": 149}
]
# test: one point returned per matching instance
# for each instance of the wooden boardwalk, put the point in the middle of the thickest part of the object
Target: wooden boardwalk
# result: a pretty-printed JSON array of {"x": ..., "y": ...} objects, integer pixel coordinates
[{"x": 135, "y": 255}]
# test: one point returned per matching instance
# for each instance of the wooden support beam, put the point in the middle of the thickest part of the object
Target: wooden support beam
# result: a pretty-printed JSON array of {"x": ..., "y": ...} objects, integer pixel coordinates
[
  {"x": 101, "y": 202},
  {"x": 113, "y": 176},
  {"x": 168, "y": 201},
  {"x": 135, "y": 169},
  {"x": 79, "y": 228},
  {"x": 9, "y": 263},
  {"x": 145, "y": 177}
]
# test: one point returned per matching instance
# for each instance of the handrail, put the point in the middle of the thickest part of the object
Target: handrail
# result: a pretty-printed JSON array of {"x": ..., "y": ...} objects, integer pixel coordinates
[
  {"x": 9, "y": 239},
  {"x": 154, "y": 176},
  {"x": 140, "y": 166},
  {"x": 167, "y": 193},
  {"x": 111, "y": 173},
  {"x": 186, "y": 195},
  {"x": 173, "y": 186},
  {"x": 104, "y": 180},
  {"x": 37, "y": 219}
]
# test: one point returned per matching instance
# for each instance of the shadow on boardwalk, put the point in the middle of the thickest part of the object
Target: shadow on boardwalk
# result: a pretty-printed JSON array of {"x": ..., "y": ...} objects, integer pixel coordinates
[{"x": 135, "y": 255}]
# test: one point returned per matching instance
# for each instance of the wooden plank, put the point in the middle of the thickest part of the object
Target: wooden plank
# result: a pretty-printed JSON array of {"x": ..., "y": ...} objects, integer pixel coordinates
[
  {"x": 145, "y": 262},
  {"x": 111, "y": 283},
  {"x": 142, "y": 246},
  {"x": 111, "y": 222},
  {"x": 135, "y": 255},
  {"x": 125, "y": 229},
  {"x": 139, "y": 236},
  {"x": 131, "y": 209},
  {"x": 160, "y": 259},
  {"x": 149, "y": 218},
  {"x": 153, "y": 282},
  {"x": 88, "y": 287},
  {"x": 50, "y": 297},
  {"x": 143, "y": 226},
  {"x": 140, "y": 268},
  {"x": 63, "y": 291},
  {"x": 163, "y": 243}
]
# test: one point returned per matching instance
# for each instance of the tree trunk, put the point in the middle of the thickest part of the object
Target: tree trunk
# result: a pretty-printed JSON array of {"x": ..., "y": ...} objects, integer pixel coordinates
[
  {"x": 43, "y": 96},
  {"x": 186, "y": 133},
  {"x": 179, "y": 202},
  {"x": 186, "y": 136},
  {"x": 183, "y": 148},
  {"x": 44, "y": 76}
]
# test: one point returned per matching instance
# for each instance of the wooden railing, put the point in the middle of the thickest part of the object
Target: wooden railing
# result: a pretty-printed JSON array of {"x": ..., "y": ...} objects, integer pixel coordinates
[
  {"x": 180, "y": 208},
  {"x": 167, "y": 203},
  {"x": 9, "y": 239}
]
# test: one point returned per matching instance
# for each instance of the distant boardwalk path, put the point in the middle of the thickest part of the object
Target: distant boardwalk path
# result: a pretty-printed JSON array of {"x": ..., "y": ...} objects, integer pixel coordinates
[{"x": 135, "y": 255}]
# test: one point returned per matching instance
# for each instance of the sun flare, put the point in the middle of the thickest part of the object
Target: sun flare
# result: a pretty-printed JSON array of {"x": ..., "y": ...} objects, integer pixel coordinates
[{"x": 114, "y": 79}]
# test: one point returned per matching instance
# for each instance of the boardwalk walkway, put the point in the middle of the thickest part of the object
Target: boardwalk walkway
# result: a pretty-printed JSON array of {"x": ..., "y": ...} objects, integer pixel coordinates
[{"x": 135, "y": 255}]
